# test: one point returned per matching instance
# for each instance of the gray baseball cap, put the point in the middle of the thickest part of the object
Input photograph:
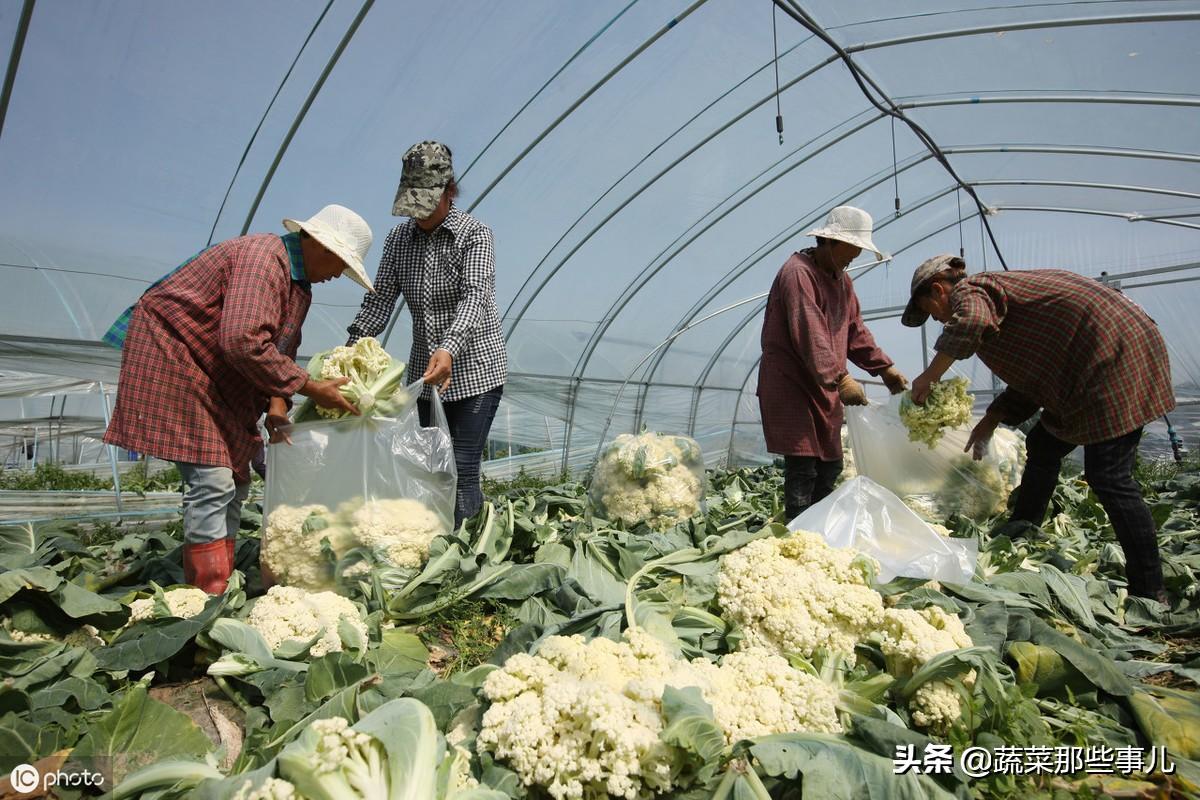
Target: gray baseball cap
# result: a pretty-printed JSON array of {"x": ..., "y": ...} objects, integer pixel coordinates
[
  {"x": 913, "y": 316},
  {"x": 427, "y": 170}
]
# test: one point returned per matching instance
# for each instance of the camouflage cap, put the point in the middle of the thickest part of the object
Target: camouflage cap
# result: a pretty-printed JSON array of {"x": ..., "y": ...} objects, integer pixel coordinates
[
  {"x": 427, "y": 170},
  {"x": 914, "y": 316}
]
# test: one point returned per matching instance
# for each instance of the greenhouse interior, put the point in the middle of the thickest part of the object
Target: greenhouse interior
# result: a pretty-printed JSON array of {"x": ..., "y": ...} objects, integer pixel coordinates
[{"x": 646, "y": 595}]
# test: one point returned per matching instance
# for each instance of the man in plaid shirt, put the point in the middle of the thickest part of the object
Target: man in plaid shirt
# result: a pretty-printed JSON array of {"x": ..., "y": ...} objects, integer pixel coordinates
[
  {"x": 208, "y": 349},
  {"x": 1086, "y": 355},
  {"x": 442, "y": 262}
]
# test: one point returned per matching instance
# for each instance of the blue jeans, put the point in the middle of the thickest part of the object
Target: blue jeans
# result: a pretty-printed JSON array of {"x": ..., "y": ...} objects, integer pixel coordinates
[{"x": 470, "y": 420}]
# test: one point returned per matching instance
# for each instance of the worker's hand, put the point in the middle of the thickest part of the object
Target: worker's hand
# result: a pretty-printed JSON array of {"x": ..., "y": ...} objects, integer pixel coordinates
[
  {"x": 921, "y": 388},
  {"x": 851, "y": 392},
  {"x": 438, "y": 371},
  {"x": 326, "y": 394},
  {"x": 894, "y": 380},
  {"x": 981, "y": 434},
  {"x": 277, "y": 421}
]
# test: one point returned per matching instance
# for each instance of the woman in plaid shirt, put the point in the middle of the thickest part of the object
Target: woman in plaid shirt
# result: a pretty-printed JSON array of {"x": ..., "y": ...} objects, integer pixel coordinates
[
  {"x": 1089, "y": 357},
  {"x": 208, "y": 349}
]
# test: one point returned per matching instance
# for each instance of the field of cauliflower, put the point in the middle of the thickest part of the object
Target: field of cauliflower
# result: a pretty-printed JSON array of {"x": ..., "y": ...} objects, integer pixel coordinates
[{"x": 625, "y": 641}]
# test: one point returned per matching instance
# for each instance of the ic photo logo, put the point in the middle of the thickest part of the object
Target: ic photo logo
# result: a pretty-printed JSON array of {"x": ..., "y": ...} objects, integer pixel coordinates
[{"x": 26, "y": 778}]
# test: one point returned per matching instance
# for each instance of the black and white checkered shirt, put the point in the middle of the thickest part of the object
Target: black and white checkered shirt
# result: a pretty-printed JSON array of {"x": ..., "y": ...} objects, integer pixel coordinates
[{"x": 448, "y": 279}]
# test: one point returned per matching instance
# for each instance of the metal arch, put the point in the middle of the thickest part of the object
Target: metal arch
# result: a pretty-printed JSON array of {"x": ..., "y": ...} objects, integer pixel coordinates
[
  {"x": 1098, "y": 213},
  {"x": 741, "y": 268},
  {"x": 734, "y": 332},
  {"x": 737, "y": 329},
  {"x": 1069, "y": 22},
  {"x": 754, "y": 312},
  {"x": 883, "y": 43},
  {"x": 650, "y": 270},
  {"x": 14, "y": 59},
  {"x": 303, "y": 112},
  {"x": 1089, "y": 98}
]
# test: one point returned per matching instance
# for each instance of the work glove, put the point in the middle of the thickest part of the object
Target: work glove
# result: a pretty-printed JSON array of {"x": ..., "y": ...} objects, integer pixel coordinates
[
  {"x": 851, "y": 392},
  {"x": 894, "y": 380}
]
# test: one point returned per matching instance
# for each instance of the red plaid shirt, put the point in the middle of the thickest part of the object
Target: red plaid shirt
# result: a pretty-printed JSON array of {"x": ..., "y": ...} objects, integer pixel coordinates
[
  {"x": 1086, "y": 354},
  {"x": 206, "y": 350},
  {"x": 813, "y": 324}
]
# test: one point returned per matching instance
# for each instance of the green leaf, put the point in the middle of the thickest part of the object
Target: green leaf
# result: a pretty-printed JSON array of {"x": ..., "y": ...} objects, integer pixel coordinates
[
  {"x": 520, "y": 581},
  {"x": 834, "y": 770},
  {"x": 1096, "y": 667},
  {"x": 41, "y": 579},
  {"x": 1046, "y": 669},
  {"x": 596, "y": 574},
  {"x": 24, "y": 742},
  {"x": 690, "y": 726},
  {"x": 331, "y": 673},
  {"x": 399, "y": 653},
  {"x": 150, "y": 642},
  {"x": 87, "y": 694},
  {"x": 1169, "y": 718},
  {"x": 1070, "y": 592},
  {"x": 444, "y": 699},
  {"x": 77, "y": 602},
  {"x": 138, "y": 731}
]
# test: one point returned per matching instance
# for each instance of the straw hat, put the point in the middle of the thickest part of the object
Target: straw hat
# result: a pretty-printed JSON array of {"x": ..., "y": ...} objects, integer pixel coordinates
[
  {"x": 848, "y": 224},
  {"x": 345, "y": 233}
]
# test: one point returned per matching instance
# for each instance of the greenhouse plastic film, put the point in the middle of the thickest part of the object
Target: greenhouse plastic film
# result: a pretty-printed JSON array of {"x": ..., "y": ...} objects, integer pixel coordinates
[
  {"x": 358, "y": 495},
  {"x": 865, "y": 516},
  {"x": 937, "y": 481}
]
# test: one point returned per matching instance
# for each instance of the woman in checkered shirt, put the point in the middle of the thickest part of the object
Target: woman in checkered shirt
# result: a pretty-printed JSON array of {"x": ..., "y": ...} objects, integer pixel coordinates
[{"x": 442, "y": 261}]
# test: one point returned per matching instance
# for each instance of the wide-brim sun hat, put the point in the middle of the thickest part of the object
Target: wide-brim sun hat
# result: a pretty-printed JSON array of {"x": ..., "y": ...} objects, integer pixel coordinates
[
  {"x": 342, "y": 232},
  {"x": 426, "y": 172},
  {"x": 913, "y": 316},
  {"x": 850, "y": 225}
]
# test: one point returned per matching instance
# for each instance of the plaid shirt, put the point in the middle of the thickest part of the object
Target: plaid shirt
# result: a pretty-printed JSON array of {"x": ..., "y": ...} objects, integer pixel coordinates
[
  {"x": 1086, "y": 354},
  {"x": 448, "y": 279},
  {"x": 206, "y": 349},
  {"x": 812, "y": 325}
]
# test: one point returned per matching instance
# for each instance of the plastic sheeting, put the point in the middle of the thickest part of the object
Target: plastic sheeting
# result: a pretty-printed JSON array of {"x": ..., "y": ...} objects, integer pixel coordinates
[{"x": 625, "y": 155}]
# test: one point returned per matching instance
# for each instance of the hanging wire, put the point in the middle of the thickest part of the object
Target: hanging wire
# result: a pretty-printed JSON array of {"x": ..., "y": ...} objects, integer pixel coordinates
[
  {"x": 983, "y": 243},
  {"x": 797, "y": 13},
  {"x": 962, "y": 252},
  {"x": 775, "y": 44},
  {"x": 258, "y": 127},
  {"x": 895, "y": 173}
]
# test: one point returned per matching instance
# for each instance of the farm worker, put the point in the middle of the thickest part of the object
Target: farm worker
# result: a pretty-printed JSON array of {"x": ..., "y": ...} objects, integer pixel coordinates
[
  {"x": 208, "y": 349},
  {"x": 1089, "y": 357},
  {"x": 813, "y": 325},
  {"x": 442, "y": 261}
]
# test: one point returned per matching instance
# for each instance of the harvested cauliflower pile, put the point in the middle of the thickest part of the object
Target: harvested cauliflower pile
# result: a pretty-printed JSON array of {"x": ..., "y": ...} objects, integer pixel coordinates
[
  {"x": 948, "y": 406},
  {"x": 583, "y": 719},
  {"x": 909, "y": 639},
  {"x": 302, "y": 545},
  {"x": 798, "y": 595},
  {"x": 287, "y": 613},
  {"x": 653, "y": 478}
]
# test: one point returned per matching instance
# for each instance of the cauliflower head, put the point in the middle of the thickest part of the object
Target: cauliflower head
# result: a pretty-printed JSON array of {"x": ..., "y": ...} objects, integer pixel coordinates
[
  {"x": 289, "y": 613},
  {"x": 401, "y": 529},
  {"x": 797, "y": 594},
  {"x": 292, "y": 545},
  {"x": 271, "y": 789},
  {"x": 910, "y": 638},
  {"x": 183, "y": 601},
  {"x": 973, "y": 489},
  {"x": 650, "y": 477},
  {"x": 756, "y": 692},
  {"x": 948, "y": 406}
]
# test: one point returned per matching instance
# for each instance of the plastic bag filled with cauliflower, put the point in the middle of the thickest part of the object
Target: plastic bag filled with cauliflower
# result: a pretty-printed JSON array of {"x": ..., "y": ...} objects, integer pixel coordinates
[
  {"x": 941, "y": 481},
  {"x": 655, "y": 478},
  {"x": 358, "y": 498}
]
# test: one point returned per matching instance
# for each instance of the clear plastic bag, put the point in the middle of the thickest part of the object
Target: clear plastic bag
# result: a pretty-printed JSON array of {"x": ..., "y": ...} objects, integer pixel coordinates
[
  {"x": 941, "y": 481},
  {"x": 656, "y": 478},
  {"x": 867, "y": 517},
  {"x": 359, "y": 495}
]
